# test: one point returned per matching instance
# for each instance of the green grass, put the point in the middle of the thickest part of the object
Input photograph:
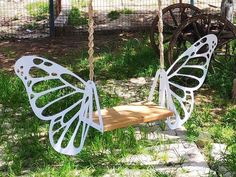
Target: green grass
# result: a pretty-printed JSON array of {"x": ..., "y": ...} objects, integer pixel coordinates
[
  {"x": 76, "y": 17},
  {"x": 25, "y": 138},
  {"x": 133, "y": 58},
  {"x": 222, "y": 78},
  {"x": 115, "y": 14},
  {"x": 39, "y": 10},
  {"x": 29, "y": 148},
  {"x": 31, "y": 26},
  {"x": 79, "y": 4},
  {"x": 126, "y": 11},
  {"x": 9, "y": 52},
  {"x": 83, "y": 3}
]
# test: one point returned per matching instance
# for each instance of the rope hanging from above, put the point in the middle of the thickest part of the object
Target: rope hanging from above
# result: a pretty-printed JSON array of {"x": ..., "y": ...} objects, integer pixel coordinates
[
  {"x": 91, "y": 40},
  {"x": 91, "y": 37},
  {"x": 160, "y": 30}
]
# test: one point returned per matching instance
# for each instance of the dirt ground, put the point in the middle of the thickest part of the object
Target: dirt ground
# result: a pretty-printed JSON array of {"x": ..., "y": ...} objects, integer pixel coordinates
[{"x": 54, "y": 48}]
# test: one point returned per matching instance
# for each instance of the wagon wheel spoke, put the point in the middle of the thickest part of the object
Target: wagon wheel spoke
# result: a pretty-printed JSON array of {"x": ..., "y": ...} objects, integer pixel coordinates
[
  {"x": 173, "y": 17},
  {"x": 184, "y": 15},
  {"x": 209, "y": 25},
  {"x": 195, "y": 27},
  {"x": 196, "y": 30},
  {"x": 168, "y": 31},
  {"x": 221, "y": 31},
  {"x": 169, "y": 27}
]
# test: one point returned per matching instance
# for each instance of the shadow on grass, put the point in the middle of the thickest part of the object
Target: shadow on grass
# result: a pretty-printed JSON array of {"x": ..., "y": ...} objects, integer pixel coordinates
[
  {"x": 26, "y": 144},
  {"x": 27, "y": 150},
  {"x": 135, "y": 58}
]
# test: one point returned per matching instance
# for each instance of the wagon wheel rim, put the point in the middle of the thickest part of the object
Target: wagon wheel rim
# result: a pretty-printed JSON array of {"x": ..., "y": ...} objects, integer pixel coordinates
[
  {"x": 173, "y": 16},
  {"x": 199, "y": 26}
]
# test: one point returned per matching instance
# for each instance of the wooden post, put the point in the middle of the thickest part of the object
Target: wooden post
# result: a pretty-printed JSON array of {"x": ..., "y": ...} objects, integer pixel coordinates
[
  {"x": 234, "y": 89},
  {"x": 227, "y": 9},
  {"x": 192, "y": 2},
  {"x": 58, "y": 7},
  {"x": 51, "y": 18}
]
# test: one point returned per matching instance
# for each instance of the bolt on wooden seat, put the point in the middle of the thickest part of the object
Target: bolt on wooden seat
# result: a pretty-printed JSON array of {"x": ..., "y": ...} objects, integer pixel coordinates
[{"x": 132, "y": 114}]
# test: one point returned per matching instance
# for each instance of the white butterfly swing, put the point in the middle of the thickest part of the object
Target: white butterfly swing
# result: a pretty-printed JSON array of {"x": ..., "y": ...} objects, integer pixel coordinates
[{"x": 171, "y": 91}]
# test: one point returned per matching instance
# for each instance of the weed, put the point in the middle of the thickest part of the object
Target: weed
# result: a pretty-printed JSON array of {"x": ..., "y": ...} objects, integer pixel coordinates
[
  {"x": 222, "y": 78},
  {"x": 31, "y": 26},
  {"x": 159, "y": 174},
  {"x": 83, "y": 3},
  {"x": 30, "y": 149},
  {"x": 76, "y": 18},
  {"x": 126, "y": 11},
  {"x": 229, "y": 118},
  {"x": 113, "y": 15},
  {"x": 25, "y": 138},
  {"x": 39, "y": 10},
  {"x": 221, "y": 133},
  {"x": 230, "y": 158},
  {"x": 165, "y": 157},
  {"x": 80, "y": 4},
  {"x": 15, "y": 18},
  {"x": 8, "y": 52},
  {"x": 134, "y": 60}
]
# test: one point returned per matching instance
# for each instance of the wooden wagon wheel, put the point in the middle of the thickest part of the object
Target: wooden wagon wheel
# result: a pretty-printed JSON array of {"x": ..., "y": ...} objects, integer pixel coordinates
[
  {"x": 196, "y": 27},
  {"x": 173, "y": 16}
]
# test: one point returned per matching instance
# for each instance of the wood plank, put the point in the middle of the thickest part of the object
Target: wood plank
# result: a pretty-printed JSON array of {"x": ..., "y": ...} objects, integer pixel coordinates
[{"x": 134, "y": 113}]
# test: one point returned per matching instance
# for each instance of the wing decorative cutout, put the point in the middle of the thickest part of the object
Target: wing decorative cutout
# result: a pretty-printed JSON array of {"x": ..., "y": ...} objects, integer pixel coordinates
[
  {"x": 58, "y": 95},
  {"x": 187, "y": 74},
  {"x": 67, "y": 101}
]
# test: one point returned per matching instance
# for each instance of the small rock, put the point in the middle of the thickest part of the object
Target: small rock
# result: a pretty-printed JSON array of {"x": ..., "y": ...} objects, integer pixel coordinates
[
  {"x": 217, "y": 150},
  {"x": 141, "y": 158},
  {"x": 222, "y": 170},
  {"x": 28, "y": 30},
  {"x": 139, "y": 81},
  {"x": 228, "y": 174}
]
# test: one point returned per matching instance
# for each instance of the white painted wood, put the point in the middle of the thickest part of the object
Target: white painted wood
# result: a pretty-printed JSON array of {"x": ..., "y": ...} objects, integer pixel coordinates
[
  {"x": 83, "y": 117},
  {"x": 167, "y": 96}
]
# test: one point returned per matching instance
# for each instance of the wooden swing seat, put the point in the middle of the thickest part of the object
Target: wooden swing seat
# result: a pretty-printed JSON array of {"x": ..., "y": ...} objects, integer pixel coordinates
[{"x": 132, "y": 114}]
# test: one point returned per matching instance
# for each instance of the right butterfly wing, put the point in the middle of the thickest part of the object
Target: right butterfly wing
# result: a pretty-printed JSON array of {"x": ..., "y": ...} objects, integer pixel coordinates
[
  {"x": 192, "y": 67},
  {"x": 68, "y": 106}
]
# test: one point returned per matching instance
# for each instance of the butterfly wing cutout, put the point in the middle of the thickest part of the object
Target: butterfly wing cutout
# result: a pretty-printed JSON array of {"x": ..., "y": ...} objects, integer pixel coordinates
[
  {"x": 58, "y": 95},
  {"x": 186, "y": 75}
]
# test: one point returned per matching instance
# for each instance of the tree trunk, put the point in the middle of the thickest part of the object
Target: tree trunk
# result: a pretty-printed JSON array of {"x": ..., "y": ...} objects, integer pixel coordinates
[{"x": 234, "y": 89}]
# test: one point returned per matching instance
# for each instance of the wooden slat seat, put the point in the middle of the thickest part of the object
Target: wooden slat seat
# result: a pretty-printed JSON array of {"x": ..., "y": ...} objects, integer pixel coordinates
[{"x": 134, "y": 113}]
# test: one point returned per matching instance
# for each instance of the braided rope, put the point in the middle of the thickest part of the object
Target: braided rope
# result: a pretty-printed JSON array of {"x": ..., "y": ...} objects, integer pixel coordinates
[
  {"x": 91, "y": 37},
  {"x": 160, "y": 30},
  {"x": 91, "y": 40}
]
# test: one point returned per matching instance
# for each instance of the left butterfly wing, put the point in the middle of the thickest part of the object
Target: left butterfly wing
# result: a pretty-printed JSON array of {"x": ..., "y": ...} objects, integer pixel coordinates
[
  {"x": 58, "y": 95},
  {"x": 47, "y": 84},
  {"x": 186, "y": 75}
]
